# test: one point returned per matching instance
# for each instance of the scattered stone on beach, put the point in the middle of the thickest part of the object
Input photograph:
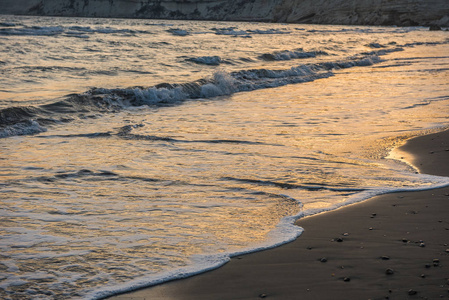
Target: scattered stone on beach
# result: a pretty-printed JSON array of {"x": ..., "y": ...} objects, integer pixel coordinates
[
  {"x": 346, "y": 279},
  {"x": 405, "y": 240},
  {"x": 412, "y": 292},
  {"x": 339, "y": 240},
  {"x": 323, "y": 259},
  {"x": 385, "y": 257},
  {"x": 373, "y": 215},
  {"x": 422, "y": 244},
  {"x": 436, "y": 262},
  {"x": 263, "y": 296},
  {"x": 447, "y": 250},
  {"x": 345, "y": 234},
  {"x": 309, "y": 248},
  {"x": 389, "y": 271},
  {"x": 427, "y": 266},
  {"x": 371, "y": 228},
  {"x": 423, "y": 275}
]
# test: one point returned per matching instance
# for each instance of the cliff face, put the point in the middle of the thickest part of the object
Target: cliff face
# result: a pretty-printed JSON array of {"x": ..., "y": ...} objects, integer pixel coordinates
[
  {"x": 348, "y": 12},
  {"x": 365, "y": 12}
]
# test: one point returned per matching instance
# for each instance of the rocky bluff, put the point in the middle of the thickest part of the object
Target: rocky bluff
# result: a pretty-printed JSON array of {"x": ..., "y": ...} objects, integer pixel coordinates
[{"x": 345, "y": 12}]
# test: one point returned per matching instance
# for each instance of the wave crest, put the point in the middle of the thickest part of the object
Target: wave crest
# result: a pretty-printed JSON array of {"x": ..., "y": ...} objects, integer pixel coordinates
[
  {"x": 30, "y": 120},
  {"x": 289, "y": 55}
]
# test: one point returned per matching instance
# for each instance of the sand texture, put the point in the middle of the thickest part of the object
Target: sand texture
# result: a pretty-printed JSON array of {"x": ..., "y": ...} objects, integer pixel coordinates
[{"x": 394, "y": 246}]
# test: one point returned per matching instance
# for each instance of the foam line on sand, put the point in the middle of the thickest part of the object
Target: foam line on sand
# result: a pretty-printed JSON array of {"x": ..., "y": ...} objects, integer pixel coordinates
[{"x": 394, "y": 246}]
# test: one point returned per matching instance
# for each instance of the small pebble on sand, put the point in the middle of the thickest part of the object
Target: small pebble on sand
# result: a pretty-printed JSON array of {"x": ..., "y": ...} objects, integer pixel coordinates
[{"x": 389, "y": 271}]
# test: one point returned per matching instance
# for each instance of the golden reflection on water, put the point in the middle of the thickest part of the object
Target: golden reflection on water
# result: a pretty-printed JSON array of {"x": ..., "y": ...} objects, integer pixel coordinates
[{"x": 223, "y": 178}]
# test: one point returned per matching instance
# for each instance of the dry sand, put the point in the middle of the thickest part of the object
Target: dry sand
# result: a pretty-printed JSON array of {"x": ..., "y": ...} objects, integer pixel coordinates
[{"x": 393, "y": 246}]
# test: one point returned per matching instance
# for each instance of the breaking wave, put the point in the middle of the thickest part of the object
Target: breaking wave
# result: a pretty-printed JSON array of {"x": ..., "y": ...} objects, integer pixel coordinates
[
  {"x": 206, "y": 60},
  {"x": 77, "y": 31},
  {"x": 232, "y": 31},
  {"x": 178, "y": 32},
  {"x": 28, "y": 127},
  {"x": 289, "y": 55},
  {"x": 31, "y": 120}
]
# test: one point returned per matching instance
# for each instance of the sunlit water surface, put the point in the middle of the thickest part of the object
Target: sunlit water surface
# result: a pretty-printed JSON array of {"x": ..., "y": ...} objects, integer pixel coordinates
[{"x": 113, "y": 188}]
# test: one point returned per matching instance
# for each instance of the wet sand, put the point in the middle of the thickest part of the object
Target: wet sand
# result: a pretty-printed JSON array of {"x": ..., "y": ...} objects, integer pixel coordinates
[{"x": 394, "y": 246}]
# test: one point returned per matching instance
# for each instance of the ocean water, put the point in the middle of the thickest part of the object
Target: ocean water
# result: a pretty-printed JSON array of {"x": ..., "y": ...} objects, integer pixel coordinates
[{"x": 138, "y": 151}]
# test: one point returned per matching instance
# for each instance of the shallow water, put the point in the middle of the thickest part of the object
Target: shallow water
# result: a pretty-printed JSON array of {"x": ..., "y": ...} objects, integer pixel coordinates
[{"x": 126, "y": 182}]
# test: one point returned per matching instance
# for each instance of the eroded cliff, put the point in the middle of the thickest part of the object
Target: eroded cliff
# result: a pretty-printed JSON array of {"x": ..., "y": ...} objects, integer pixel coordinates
[{"x": 354, "y": 12}]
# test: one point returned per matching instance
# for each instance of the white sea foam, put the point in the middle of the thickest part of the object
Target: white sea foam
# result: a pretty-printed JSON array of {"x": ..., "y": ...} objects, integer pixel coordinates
[
  {"x": 435, "y": 182},
  {"x": 284, "y": 232}
]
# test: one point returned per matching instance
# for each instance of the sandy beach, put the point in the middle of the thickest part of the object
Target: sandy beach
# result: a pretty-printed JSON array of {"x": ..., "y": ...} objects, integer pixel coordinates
[{"x": 394, "y": 246}]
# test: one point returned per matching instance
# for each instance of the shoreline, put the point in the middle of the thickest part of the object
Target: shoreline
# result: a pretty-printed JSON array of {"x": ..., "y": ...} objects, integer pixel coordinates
[{"x": 393, "y": 246}]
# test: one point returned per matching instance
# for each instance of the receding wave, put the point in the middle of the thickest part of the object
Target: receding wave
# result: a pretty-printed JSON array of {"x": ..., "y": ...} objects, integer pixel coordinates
[
  {"x": 126, "y": 133},
  {"x": 284, "y": 185}
]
